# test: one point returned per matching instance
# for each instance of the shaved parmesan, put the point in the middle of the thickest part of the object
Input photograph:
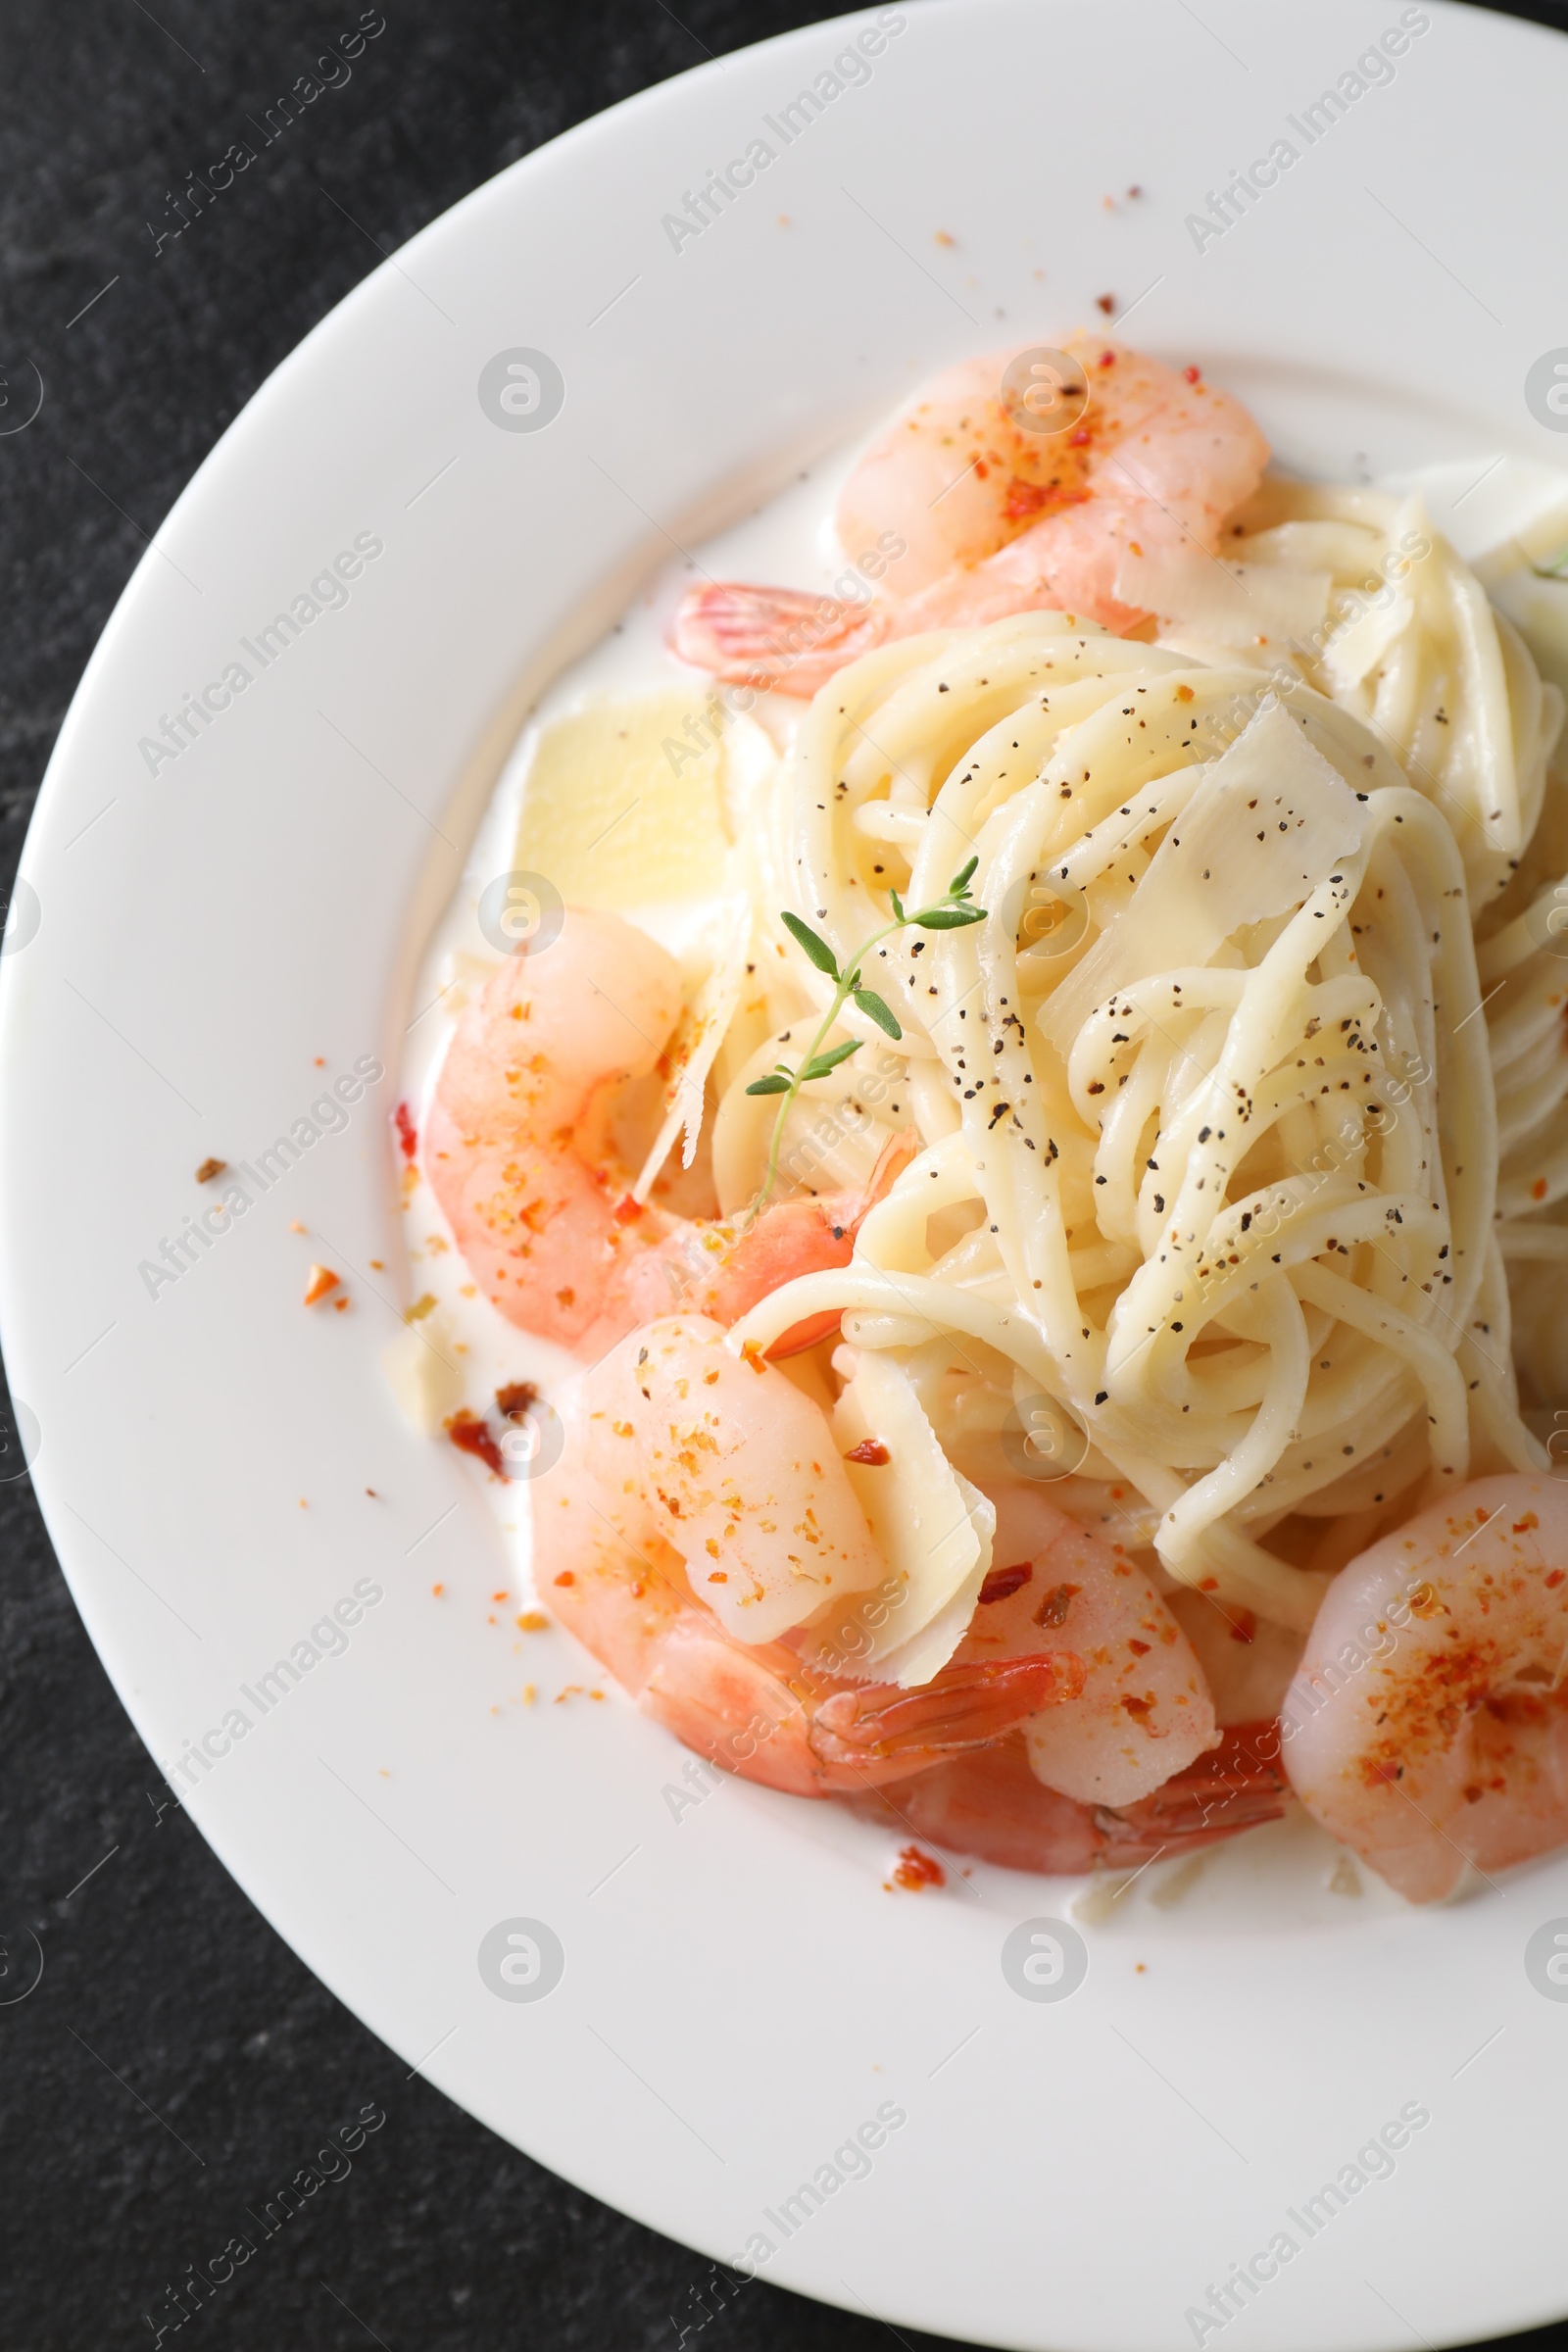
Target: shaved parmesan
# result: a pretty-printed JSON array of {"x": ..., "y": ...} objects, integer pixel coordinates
[
  {"x": 1537, "y": 606},
  {"x": 1359, "y": 644},
  {"x": 1497, "y": 514},
  {"x": 696, "y": 1040},
  {"x": 1268, "y": 823},
  {"x": 931, "y": 1526},
  {"x": 1232, "y": 603}
]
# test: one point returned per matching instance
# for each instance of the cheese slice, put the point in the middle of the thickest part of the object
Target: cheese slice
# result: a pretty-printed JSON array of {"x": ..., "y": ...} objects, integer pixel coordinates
[
  {"x": 931, "y": 1526},
  {"x": 1265, "y": 826},
  {"x": 1232, "y": 604},
  {"x": 627, "y": 800},
  {"x": 695, "y": 1040},
  {"x": 1498, "y": 514}
]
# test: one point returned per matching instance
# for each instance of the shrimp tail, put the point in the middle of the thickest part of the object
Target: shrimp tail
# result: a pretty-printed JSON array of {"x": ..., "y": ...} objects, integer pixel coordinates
[
  {"x": 779, "y": 640},
  {"x": 1234, "y": 1787},
  {"x": 990, "y": 1804},
  {"x": 843, "y": 1226},
  {"x": 892, "y": 1161},
  {"x": 965, "y": 1707}
]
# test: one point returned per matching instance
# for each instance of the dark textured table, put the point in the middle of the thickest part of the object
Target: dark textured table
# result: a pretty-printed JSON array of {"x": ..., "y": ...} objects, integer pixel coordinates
[{"x": 177, "y": 2064}]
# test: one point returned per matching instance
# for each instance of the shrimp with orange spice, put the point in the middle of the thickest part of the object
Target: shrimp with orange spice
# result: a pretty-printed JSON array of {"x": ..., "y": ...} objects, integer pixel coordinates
[
  {"x": 997, "y": 515},
  {"x": 1427, "y": 1727},
  {"x": 517, "y": 1150},
  {"x": 703, "y": 1516}
]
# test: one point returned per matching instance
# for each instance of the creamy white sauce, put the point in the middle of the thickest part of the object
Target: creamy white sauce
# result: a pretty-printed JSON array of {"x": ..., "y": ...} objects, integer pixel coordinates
[
  {"x": 1291, "y": 1875},
  {"x": 789, "y": 540}
]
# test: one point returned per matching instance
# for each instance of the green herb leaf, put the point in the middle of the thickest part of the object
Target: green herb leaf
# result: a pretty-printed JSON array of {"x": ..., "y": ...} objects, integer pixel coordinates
[
  {"x": 898, "y": 906},
  {"x": 871, "y": 1005},
  {"x": 820, "y": 954},
  {"x": 957, "y": 888},
  {"x": 820, "y": 1063},
  {"x": 948, "y": 919},
  {"x": 770, "y": 1084}
]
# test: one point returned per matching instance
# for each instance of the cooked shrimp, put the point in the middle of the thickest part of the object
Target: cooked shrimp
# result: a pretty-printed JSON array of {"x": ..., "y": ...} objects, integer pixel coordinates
[
  {"x": 697, "y": 1495},
  {"x": 1145, "y": 1712},
  {"x": 1428, "y": 1725},
  {"x": 991, "y": 1805},
  {"x": 518, "y": 1149},
  {"x": 998, "y": 518}
]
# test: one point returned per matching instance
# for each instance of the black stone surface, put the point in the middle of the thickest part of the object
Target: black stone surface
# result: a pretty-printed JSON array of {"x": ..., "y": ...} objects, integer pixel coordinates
[{"x": 177, "y": 2064}]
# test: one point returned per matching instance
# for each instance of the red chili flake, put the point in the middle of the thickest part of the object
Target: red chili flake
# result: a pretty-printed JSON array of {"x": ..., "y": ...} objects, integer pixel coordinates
[
  {"x": 407, "y": 1135},
  {"x": 472, "y": 1435},
  {"x": 1139, "y": 1650},
  {"x": 1108, "y": 359},
  {"x": 628, "y": 1210},
  {"x": 1244, "y": 1627},
  {"x": 915, "y": 1870},
  {"x": 566, "y": 1576},
  {"x": 1137, "y": 1708},
  {"x": 1053, "y": 1610},
  {"x": 1538, "y": 1190},
  {"x": 869, "y": 1450},
  {"x": 752, "y": 1353},
  {"x": 1023, "y": 499},
  {"x": 1523, "y": 1526},
  {"x": 1556, "y": 1578},
  {"x": 1002, "y": 1583},
  {"x": 1107, "y": 304},
  {"x": 1192, "y": 374},
  {"x": 515, "y": 1399},
  {"x": 209, "y": 1169}
]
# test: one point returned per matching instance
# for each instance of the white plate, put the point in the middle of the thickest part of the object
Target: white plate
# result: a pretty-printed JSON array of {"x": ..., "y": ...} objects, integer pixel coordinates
[{"x": 740, "y": 1994}]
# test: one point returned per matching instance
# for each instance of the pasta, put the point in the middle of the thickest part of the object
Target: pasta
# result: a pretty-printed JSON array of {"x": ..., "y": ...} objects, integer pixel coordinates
[
  {"x": 1129, "y": 1062},
  {"x": 1219, "y": 1221}
]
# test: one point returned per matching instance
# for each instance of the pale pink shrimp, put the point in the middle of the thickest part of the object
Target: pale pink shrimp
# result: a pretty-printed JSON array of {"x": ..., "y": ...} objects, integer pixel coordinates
[
  {"x": 998, "y": 518},
  {"x": 1428, "y": 1725},
  {"x": 990, "y": 1804},
  {"x": 698, "y": 1512},
  {"x": 1145, "y": 1712},
  {"x": 518, "y": 1149}
]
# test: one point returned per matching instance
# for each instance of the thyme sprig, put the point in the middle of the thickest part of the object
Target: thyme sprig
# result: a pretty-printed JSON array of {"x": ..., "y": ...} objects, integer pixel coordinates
[{"x": 952, "y": 911}]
